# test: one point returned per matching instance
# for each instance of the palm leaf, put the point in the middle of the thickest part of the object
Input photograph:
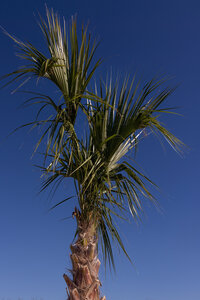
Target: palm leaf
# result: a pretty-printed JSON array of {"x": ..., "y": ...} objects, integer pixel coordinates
[{"x": 69, "y": 65}]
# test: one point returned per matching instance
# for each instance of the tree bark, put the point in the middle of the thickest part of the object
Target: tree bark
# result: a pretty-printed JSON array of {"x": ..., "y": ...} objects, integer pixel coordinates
[{"x": 85, "y": 283}]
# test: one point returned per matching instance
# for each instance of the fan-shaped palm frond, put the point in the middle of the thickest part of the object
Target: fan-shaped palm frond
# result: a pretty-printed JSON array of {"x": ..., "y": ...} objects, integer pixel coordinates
[{"x": 69, "y": 65}]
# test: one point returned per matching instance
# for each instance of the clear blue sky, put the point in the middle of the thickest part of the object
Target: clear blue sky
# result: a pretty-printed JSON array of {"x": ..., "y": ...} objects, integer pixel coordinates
[{"x": 149, "y": 37}]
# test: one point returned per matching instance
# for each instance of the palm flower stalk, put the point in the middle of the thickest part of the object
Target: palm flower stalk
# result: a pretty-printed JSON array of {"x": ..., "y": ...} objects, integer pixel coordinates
[{"x": 118, "y": 116}]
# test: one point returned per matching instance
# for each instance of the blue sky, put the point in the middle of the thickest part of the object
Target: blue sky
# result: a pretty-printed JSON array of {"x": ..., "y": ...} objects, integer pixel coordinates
[{"x": 150, "y": 37}]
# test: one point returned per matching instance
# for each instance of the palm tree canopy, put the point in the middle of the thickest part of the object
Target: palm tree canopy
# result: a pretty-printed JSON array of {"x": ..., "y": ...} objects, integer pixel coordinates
[{"x": 107, "y": 184}]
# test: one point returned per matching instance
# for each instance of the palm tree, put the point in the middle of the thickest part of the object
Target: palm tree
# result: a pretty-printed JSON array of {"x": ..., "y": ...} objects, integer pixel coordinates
[{"x": 118, "y": 116}]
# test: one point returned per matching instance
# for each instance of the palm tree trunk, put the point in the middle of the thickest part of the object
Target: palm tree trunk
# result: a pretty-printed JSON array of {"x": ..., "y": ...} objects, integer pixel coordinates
[{"x": 85, "y": 263}]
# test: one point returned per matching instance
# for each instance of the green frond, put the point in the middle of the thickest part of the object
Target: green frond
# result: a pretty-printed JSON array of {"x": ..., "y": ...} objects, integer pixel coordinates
[
  {"x": 69, "y": 65},
  {"x": 125, "y": 114}
]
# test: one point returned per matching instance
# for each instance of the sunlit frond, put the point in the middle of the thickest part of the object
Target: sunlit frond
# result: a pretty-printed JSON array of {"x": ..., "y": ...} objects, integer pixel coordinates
[{"x": 69, "y": 65}]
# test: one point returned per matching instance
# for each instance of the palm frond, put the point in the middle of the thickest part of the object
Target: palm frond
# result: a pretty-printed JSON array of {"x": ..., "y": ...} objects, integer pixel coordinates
[{"x": 69, "y": 65}]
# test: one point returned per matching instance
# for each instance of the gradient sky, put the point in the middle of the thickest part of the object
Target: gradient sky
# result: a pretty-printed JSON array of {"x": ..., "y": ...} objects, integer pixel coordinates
[{"x": 150, "y": 37}]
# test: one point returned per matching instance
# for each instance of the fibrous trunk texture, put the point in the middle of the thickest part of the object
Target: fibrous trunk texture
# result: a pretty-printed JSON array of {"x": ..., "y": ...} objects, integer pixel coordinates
[{"x": 85, "y": 264}]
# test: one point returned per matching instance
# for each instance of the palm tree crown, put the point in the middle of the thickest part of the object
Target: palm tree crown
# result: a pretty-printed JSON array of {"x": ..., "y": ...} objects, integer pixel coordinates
[{"x": 118, "y": 116}]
